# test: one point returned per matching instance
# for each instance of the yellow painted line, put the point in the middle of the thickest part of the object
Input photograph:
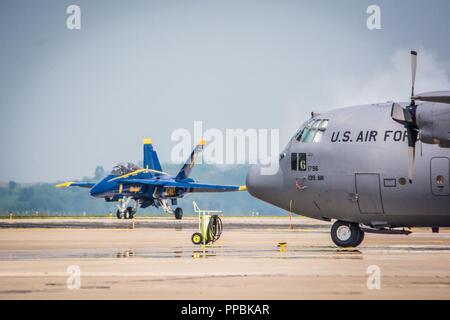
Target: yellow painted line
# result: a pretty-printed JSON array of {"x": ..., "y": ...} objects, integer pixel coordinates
[
  {"x": 130, "y": 174},
  {"x": 136, "y": 172}
]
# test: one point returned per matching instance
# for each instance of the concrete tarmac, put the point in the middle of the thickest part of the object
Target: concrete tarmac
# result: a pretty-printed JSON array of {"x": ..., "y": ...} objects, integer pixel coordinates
[{"x": 153, "y": 258}]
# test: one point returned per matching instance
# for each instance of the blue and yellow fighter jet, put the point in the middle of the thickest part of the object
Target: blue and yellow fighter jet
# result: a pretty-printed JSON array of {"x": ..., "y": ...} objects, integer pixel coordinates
[{"x": 149, "y": 186}]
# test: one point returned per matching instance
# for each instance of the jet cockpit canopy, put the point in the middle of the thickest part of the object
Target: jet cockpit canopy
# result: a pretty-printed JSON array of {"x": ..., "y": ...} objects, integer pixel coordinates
[{"x": 124, "y": 168}]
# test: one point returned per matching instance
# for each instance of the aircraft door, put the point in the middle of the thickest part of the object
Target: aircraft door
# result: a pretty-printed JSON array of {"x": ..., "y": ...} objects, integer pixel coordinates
[
  {"x": 440, "y": 176},
  {"x": 369, "y": 192}
]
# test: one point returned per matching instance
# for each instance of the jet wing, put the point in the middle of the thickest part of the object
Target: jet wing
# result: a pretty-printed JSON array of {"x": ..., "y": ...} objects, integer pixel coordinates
[
  {"x": 75, "y": 184},
  {"x": 189, "y": 186}
]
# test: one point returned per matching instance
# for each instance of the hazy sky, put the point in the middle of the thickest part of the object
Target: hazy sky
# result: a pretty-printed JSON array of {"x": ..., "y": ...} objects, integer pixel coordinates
[{"x": 74, "y": 99}]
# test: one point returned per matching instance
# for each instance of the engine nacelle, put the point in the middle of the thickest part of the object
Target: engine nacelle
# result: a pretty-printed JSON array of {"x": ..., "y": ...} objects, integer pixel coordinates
[{"x": 433, "y": 121}]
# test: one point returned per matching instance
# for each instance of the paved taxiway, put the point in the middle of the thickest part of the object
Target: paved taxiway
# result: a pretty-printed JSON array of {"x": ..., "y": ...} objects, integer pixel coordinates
[{"x": 156, "y": 260}]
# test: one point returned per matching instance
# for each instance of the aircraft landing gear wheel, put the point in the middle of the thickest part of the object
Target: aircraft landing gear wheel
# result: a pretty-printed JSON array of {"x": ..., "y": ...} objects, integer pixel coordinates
[
  {"x": 197, "y": 238},
  {"x": 129, "y": 213},
  {"x": 361, "y": 237},
  {"x": 178, "y": 213},
  {"x": 119, "y": 214},
  {"x": 346, "y": 234}
]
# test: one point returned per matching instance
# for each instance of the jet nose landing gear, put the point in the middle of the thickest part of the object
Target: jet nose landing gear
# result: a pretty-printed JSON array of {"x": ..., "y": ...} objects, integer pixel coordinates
[
  {"x": 125, "y": 212},
  {"x": 346, "y": 234}
]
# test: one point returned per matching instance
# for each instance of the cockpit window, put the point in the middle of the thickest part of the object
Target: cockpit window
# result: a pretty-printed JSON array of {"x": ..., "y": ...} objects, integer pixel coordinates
[
  {"x": 312, "y": 131},
  {"x": 124, "y": 168}
]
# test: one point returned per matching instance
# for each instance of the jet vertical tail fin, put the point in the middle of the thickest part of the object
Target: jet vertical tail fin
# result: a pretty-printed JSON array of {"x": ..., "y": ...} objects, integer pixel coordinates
[
  {"x": 151, "y": 160},
  {"x": 187, "y": 167}
]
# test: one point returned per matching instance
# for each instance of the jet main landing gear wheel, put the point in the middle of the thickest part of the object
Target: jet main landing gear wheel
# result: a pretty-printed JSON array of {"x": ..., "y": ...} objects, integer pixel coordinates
[
  {"x": 178, "y": 213},
  {"x": 346, "y": 234}
]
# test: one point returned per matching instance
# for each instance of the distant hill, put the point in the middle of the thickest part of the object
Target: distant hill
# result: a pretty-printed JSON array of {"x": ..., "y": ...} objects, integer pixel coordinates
[{"x": 26, "y": 199}]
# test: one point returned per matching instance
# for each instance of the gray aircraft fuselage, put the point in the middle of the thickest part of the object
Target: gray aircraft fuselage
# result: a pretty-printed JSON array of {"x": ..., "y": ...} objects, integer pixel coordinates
[{"x": 358, "y": 173}]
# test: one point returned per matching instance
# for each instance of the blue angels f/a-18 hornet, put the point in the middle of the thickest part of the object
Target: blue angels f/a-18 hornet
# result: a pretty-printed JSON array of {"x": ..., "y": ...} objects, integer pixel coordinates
[{"x": 149, "y": 186}]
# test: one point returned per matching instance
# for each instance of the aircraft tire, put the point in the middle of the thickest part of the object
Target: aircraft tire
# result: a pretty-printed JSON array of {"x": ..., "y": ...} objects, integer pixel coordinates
[
  {"x": 178, "y": 213},
  {"x": 346, "y": 234},
  {"x": 129, "y": 214},
  {"x": 119, "y": 216},
  {"x": 360, "y": 238}
]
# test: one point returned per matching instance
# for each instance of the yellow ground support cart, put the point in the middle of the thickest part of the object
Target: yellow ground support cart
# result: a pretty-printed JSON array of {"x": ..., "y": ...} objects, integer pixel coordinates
[{"x": 209, "y": 226}]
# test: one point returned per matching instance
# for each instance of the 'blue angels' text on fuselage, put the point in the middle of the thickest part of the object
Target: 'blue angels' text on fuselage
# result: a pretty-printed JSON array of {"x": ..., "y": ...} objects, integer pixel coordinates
[{"x": 369, "y": 136}]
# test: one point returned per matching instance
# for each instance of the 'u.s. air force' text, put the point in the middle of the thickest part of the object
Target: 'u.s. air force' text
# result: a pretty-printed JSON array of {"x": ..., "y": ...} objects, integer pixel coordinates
[{"x": 369, "y": 136}]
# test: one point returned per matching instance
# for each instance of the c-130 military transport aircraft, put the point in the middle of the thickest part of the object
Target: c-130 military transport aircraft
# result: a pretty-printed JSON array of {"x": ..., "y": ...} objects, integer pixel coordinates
[
  {"x": 149, "y": 186},
  {"x": 372, "y": 168}
]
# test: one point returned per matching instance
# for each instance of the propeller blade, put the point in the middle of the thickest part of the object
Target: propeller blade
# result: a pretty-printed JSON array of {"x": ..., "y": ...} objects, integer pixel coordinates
[
  {"x": 435, "y": 96},
  {"x": 413, "y": 70},
  {"x": 406, "y": 117},
  {"x": 411, "y": 159},
  {"x": 412, "y": 139}
]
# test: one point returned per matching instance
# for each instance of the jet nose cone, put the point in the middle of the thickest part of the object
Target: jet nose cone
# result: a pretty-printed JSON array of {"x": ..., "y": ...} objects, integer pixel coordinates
[{"x": 263, "y": 185}]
